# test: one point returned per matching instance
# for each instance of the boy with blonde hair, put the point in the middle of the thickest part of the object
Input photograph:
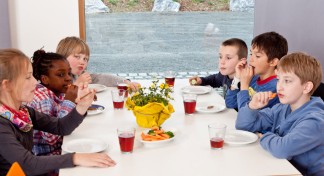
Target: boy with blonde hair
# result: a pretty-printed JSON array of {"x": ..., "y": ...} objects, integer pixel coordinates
[
  {"x": 77, "y": 52},
  {"x": 259, "y": 75},
  {"x": 296, "y": 123},
  {"x": 231, "y": 52}
]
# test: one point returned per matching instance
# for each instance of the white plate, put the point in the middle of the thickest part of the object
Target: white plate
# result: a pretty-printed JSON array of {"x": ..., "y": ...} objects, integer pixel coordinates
[
  {"x": 97, "y": 87},
  {"x": 240, "y": 137},
  {"x": 209, "y": 107},
  {"x": 161, "y": 141},
  {"x": 84, "y": 146},
  {"x": 98, "y": 109},
  {"x": 196, "y": 89}
]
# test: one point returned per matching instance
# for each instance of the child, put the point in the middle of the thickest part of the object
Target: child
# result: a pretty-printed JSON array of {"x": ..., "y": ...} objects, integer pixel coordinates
[
  {"x": 297, "y": 122},
  {"x": 17, "y": 85},
  {"x": 54, "y": 96},
  {"x": 77, "y": 53},
  {"x": 231, "y": 52},
  {"x": 266, "y": 51}
]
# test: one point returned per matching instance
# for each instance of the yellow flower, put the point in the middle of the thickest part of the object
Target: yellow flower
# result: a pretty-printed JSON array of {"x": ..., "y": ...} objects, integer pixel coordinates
[
  {"x": 164, "y": 86},
  {"x": 151, "y": 105}
]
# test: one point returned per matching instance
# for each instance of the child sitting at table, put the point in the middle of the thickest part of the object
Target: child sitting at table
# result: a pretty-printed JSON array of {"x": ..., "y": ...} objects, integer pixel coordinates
[
  {"x": 54, "y": 96},
  {"x": 259, "y": 76},
  {"x": 17, "y": 121},
  {"x": 77, "y": 53},
  {"x": 231, "y": 52},
  {"x": 297, "y": 122}
]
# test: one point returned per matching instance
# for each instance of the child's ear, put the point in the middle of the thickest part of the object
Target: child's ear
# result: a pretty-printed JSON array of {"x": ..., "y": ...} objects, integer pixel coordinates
[
  {"x": 5, "y": 85},
  {"x": 308, "y": 86},
  {"x": 274, "y": 62},
  {"x": 44, "y": 79}
]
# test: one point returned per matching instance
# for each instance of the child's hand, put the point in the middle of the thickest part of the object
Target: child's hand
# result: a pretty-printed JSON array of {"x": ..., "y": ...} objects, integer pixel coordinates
[
  {"x": 259, "y": 135},
  {"x": 260, "y": 100},
  {"x": 134, "y": 86},
  {"x": 85, "y": 98},
  {"x": 195, "y": 81},
  {"x": 84, "y": 77},
  {"x": 246, "y": 77},
  {"x": 93, "y": 160},
  {"x": 71, "y": 93},
  {"x": 239, "y": 67}
]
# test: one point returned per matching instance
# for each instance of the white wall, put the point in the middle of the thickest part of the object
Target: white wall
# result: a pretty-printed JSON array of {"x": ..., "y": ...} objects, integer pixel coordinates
[
  {"x": 38, "y": 23},
  {"x": 300, "y": 21},
  {"x": 4, "y": 23}
]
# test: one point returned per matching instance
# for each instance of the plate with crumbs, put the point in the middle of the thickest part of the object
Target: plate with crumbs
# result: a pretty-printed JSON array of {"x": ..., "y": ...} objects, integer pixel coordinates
[
  {"x": 95, "y": 109},
  {"x": 209, "y": 107}
]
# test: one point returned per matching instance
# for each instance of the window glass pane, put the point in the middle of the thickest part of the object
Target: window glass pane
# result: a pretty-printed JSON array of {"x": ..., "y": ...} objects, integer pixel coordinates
[{"x": 151, "y": 42}]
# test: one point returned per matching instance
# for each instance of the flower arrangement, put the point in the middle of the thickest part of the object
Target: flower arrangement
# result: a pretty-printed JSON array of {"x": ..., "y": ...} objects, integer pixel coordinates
[{"x": 151, "y": 105}]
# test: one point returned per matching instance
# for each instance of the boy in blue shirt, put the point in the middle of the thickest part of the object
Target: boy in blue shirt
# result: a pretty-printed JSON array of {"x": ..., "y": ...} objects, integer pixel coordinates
[
  {"x": 259, "y": 75},
  {"x": 297, "y": 122},
  {"x": 231, "y": 52}
]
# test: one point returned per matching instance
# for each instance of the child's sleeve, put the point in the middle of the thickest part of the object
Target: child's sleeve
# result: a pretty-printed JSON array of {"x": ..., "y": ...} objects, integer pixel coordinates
[
  {"x": 254, "y": 120},
  {"x": 106, "y": 79},
  {"x": 231, "y": 98},
  {"x": 66, "y": 107},
  {"x": 301, "y": 138},
  {"x": 243, "y": 98},
  {"x": 215, "y": 80}
]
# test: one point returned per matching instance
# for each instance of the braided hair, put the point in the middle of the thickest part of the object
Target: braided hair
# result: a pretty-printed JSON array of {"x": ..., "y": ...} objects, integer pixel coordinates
[{"x": 42, "y": 62}]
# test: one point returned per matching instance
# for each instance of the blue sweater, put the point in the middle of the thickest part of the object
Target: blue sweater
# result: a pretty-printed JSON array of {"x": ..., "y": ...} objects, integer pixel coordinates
[
  {"x": 297, "y": 136},
  {"x": 238, "y": 99}
]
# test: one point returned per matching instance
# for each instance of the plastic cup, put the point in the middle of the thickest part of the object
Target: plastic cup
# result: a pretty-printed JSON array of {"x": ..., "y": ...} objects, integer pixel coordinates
[
  {"x": 118, "y": 97},
  {"x": 123, "y": 86},
  {"x": 126, "y": 138},
  {"x": 217, "y": 135},
  {"x": 189, "y": 103},
  {"x": 169, "y": 77}
]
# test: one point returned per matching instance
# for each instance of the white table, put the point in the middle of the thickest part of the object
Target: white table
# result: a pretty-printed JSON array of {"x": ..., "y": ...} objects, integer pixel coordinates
[{"x": 188, "y": 154}]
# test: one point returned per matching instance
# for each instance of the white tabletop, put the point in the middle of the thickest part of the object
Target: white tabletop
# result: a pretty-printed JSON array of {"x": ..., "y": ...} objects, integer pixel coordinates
[{"x": 188, "y": 154}]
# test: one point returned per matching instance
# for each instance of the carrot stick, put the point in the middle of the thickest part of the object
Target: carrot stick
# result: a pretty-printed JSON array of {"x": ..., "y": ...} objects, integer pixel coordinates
[{"x": 273, "y": 95}]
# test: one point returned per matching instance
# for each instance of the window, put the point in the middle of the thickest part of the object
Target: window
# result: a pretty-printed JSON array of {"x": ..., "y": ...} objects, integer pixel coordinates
[{"x": 140, "y": 44}]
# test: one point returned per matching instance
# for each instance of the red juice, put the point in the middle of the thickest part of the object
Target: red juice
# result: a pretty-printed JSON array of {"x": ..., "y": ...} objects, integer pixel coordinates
[
  {"x": 118, "y": 104},
  {"x": 189, "y": 106},
  {"x": 126, "y": 142},
  {"x": 169, "y": 81},
  {"x": 216, "y": 142},
  {"x": 123, "y": 86}
]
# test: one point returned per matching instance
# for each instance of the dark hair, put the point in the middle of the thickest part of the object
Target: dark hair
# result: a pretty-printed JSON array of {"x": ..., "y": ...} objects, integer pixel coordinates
[
  {"x": 42, "y": 62},
  {"x": 240, "y": 44},
  {"x": 272, "y": 43}
]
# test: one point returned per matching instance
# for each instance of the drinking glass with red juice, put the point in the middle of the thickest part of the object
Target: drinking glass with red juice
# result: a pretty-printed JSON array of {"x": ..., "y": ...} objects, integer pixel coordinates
[
  {"x": 217, "y": 135},
  {"x": 169, "y": 77},
  {"x": 123, "y": 86},
  {"x": 126, "y": 138},
  {"x": 189, "y": 103},
  {"x": 118, "y": 97}
]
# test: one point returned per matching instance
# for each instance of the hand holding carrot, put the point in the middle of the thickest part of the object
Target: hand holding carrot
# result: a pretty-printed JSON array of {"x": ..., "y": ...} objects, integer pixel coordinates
[{"x": 261, "y": 99}]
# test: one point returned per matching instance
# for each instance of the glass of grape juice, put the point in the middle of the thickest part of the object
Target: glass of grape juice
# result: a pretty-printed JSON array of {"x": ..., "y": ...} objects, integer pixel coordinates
[
  {"x": 217, "y": 135},
  {"x": 169, "y": 77},
  {"x": 123, "y": 86},
  {"x": 189, "y": 103},
  {"x": 118, "y": 97},
  {"x": 126, "y": 136}
]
